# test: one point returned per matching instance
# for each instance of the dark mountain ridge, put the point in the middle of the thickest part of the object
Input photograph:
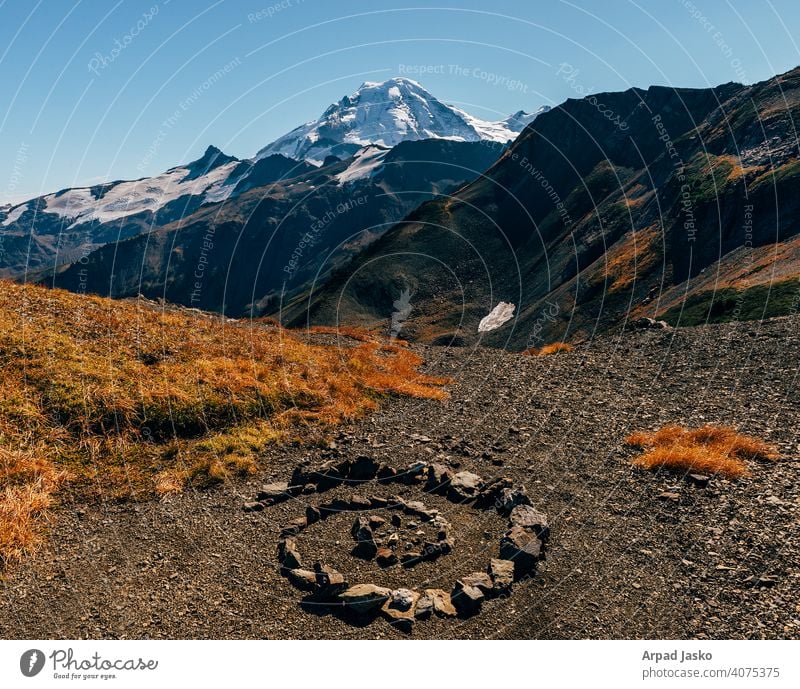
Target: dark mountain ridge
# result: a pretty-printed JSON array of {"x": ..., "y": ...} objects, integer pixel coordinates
[{"x": 613, "y": 206}]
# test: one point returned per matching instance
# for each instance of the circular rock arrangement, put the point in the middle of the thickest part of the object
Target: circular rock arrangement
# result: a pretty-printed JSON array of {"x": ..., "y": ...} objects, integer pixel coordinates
[{"x": 521, "y": 547}]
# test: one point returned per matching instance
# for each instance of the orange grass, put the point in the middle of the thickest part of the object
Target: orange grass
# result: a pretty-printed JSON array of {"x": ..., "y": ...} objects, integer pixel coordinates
[
  {"x": 123, "y": 399},
  {"x": 552, "y": 348},
  {"x": 709, "y": 449}
]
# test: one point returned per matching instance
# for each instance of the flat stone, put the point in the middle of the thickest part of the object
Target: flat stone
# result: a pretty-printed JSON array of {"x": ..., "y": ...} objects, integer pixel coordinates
[
  {"x": 253, "y": 506},
  {"x": 418, "y": 509},
  {"x": 531, "y": 519},
  {"x": 442, "y": 602},
  {"x": 363, "y": 598},
  {"x": 360, "y": 502},
  {"x": 411, "y": 558},
  {"x": 699, "y": 480},
  {"x": 302, "y": 578},
  {"x": 376, "y": 501},
  {"x": 479, "y": 580},
  {"x": 672, "y": 497},
  {"x": 502, "y": 573},
  {"x": 274, "y": 491}
]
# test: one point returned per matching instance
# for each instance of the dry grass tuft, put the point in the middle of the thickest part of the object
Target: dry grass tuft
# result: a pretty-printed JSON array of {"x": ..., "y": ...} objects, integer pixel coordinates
[
  {"x": 552, "y": 348},
  {"x": 709, "y": 449},
  {"x": 122, "y": 399},
  {"x": 29, "y": 482}
]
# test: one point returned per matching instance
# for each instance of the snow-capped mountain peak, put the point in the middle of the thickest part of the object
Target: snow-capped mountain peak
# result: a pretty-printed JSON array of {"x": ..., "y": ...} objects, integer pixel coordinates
[{"x": 386, "y": 113}]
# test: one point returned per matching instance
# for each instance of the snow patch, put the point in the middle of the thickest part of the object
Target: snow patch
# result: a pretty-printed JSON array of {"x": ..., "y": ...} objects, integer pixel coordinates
[
  {"x": 15, "y": 214},
  {"x": 387, "y": 113},
  {"x": 366, "y": 162},
  {"x": 129, "y": 198},
  {"x": 500, "y": 314}
]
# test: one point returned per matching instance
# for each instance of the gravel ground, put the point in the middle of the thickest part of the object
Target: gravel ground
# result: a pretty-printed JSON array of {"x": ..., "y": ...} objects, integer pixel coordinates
[{"x": 717, "y": 562}]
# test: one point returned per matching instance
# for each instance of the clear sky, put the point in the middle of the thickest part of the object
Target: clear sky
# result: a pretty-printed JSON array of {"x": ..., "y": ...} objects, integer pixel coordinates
[{"x": 95, "y": 90}]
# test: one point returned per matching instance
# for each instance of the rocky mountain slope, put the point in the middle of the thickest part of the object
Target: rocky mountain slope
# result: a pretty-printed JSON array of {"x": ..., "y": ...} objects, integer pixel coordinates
[
  {"x": 67, "y": 226},
  {"x": 675, "y": 203},
  {"x": 297, "y": 224}
]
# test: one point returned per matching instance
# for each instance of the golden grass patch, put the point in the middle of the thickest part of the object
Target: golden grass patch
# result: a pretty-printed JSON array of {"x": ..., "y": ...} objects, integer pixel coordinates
[
  {"x": 552, "y": 348},
  {"x": 123, "y": 399},
  {"x": 708, "y": 449}
]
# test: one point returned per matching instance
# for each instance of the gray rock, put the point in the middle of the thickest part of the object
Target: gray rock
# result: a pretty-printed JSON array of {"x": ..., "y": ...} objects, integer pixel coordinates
[
  {"x": 253, "y": 506},
  {"x": 510, "y": 497},
  {"x": 418, "y": 509},
  {"x": 523, "y": 548},
  {"x": 274, "y": 491},
  {"x": 464, "y": 486},
  {"x": 530, "y": 519}
]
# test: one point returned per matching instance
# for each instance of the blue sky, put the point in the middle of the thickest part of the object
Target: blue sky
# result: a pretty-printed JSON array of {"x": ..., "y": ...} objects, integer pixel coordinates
[{"x": 94, "y": 90}]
